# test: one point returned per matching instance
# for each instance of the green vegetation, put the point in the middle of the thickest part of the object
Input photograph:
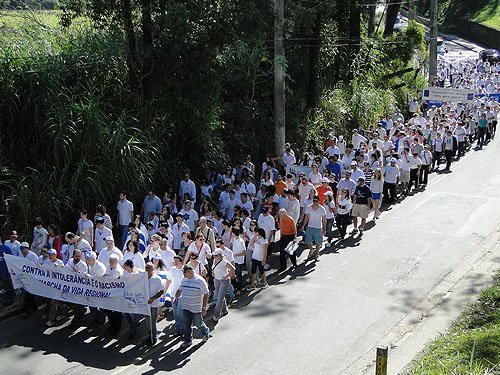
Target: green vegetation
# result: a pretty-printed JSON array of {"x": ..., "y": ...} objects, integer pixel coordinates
[
  {"x": 107, "y": 102},
  {"x": 472, "y": 345},
  {"x": 489, "y": 14},
  {"x": 486, "y": 12}
]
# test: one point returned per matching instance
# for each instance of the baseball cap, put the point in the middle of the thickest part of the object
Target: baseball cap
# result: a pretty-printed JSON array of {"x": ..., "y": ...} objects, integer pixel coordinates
[
  {"x": 25, "y": 245},
  {"x": 157, "y": 256},
  {"x": 218, "y": 252},
  {"x": 393, "y": 160},
  {"x": 110, "y": 238},
  {"x": 99, "y": 220},
  {"x": 52, "y": 252},
  {"x": 13, "y": 234},
  {"x": 90, "y": 255},
  {"x": 325, "y": 179}
]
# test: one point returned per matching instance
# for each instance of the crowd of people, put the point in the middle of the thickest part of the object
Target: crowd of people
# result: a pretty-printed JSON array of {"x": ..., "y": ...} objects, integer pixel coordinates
[{"x": 203, "y": 245}]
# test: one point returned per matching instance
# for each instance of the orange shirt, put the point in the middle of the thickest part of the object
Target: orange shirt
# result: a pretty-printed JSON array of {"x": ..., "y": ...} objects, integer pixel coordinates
[
  {"x": 287, "y": 226},
  {"x": 322, "y": 191},
  {"x": 280, "y": 185}
]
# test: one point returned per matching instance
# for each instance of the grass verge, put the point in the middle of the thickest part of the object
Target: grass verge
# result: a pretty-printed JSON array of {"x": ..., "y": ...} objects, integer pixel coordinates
[
  {"x": 489, "y": 15},
  {"x": 472, "y": 346}
]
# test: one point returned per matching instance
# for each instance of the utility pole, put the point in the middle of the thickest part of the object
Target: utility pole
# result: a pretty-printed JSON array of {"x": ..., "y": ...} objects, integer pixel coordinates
[
  {"x": 433, "y": 32},
  {"x": 279, "y": 76}
]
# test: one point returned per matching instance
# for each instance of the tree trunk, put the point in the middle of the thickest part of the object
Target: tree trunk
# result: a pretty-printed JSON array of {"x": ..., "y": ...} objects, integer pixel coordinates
[
  {"x": 354, "y": 33},
  {"x": 371, "y": 16},
  {"x": 314, "y": 52},
  {"x": 132, "y": 61},
  {"x": 147, "y": 49},
  {"x": 391, "y": 15}
]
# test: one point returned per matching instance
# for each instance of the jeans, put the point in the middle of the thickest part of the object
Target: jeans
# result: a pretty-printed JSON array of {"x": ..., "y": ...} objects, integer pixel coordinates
[
  {"x": 177, "y": 311},
  {"x": 480, "y": 137},
  {"x": 329, "y": 229},
  {"x": 220, "y": 287},
  {"x": 239, "y": 276},
  {"x": 284, "y": 241},
  {"x": 124, "y": 233},
  {"x": 29, "y": 302},
  {"x": 461, "y": 148},
  {"x": 133, "y": 321},
  {"x": 193, "y": 319}
]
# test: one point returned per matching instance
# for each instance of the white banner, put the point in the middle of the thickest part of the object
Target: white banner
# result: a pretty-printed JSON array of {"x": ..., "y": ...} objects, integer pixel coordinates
[
  {"x": 128, "y": 294},
  {"x": 448, "y": 95},
  {"x": 296, "y": 170}
]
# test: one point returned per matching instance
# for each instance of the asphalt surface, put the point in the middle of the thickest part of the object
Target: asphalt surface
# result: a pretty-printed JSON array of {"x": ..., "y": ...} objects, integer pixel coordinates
[{"x": 323, "y": 317}]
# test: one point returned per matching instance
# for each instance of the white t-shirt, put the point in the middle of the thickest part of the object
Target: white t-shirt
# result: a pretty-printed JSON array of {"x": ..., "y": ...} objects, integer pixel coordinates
[
  {"x": 105, "y": 253},
  {"x": 100, "y": 236},
  {"x": 85, "y": 229},
  {"x": 175, "y": 276},
  {"x": 190, "y": 217},
  {"x": 258, "y": 249},
  {"x": 315, "y": 216},
  {"x": 267, "y": 223},
  {"x": 80, "y": 267},
  {"x": 205, "y": 248},
  {"x": 304, "y": 192},
  {"x": 326, "y": 206},
  {"x": 155, "y": 286},
  {"x": 220, "y": 269},
  {"x": 125, "y": 210},
  {"x": 238, "y": 247}
]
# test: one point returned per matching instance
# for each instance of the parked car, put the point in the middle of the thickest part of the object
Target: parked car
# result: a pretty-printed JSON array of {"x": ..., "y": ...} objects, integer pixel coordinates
[{"x": 490, "y": 55}]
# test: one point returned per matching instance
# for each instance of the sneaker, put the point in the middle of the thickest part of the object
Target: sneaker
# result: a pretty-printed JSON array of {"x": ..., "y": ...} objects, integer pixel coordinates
[
  {"x": 49, "y": 323},
  {"x": 361, "y": 231},
  {"x": 205, "y": 337},
  {"x": 211, "y": 304},
  {"x": 250, "y": 287},
  {"x": 59, "y": 317},
  {"x": 215, "y": 319},
  {"x": 187, "y": 344},
  {"x": 264, "y": 286},
  {"x": 354, "y": 231}
]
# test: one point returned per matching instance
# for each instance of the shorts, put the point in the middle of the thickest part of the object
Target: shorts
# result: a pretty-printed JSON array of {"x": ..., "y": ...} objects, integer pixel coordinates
[
  {"x": 404, "y": 176},
  {"x": 313, "y": 234},
  {"x": 257, "y": 264},
  {"x": 360, "y": 210},
  {"x": 376, "y": 195}
]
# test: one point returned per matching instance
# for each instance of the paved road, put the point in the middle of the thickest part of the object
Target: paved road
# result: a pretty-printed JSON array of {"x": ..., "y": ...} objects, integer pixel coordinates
[{"x": 320, "y": 319}]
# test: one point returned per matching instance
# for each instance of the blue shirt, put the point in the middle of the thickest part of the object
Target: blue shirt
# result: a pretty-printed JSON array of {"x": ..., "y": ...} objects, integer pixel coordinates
[
  {"x": 4, "y": 249},
  {"x": 335, "y": 169},
  {"x": 152, "y": 204}
]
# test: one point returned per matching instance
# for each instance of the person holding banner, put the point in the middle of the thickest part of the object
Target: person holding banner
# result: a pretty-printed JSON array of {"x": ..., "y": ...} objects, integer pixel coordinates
[
  {"x": 155, "y": 292},
  {"x": 4, "y": 274},
  {"x": 78, "y": 266},
  {"x": 132, "y": 319},
  {"x": 53, "y": 303},
  {"x": 95, "y": 268}
]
